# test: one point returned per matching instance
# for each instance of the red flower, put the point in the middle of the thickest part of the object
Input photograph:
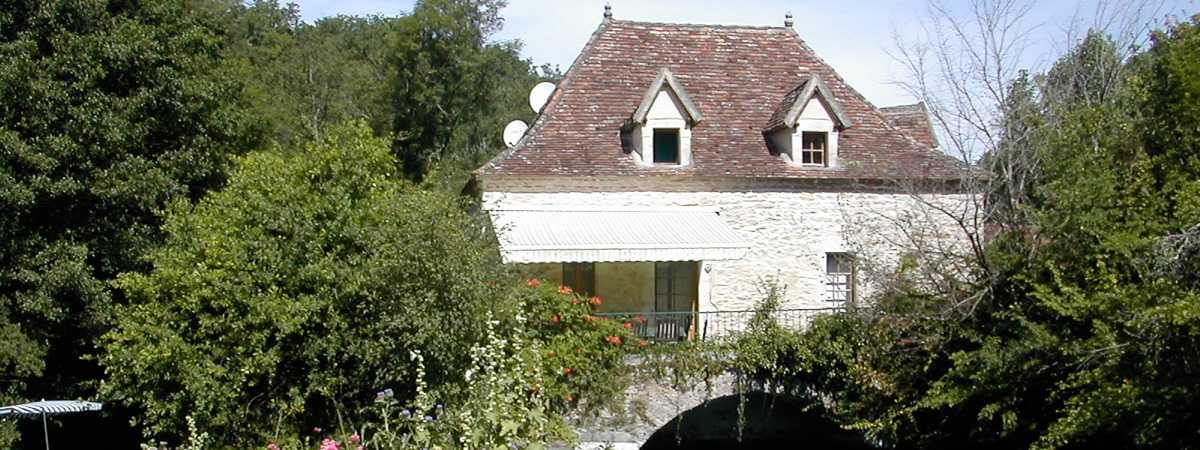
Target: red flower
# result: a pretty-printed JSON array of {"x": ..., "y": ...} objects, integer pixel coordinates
[
  {"x": 555, "y": 318},
  {"x": 628, "y": 326},
  {"x": 614, "y": 340},
  {"x": 595, "y": 300},
  {"x": 567, "y": 371},
  {"x": 564, "y": 290},
  {"x": 533, "y": 282}
]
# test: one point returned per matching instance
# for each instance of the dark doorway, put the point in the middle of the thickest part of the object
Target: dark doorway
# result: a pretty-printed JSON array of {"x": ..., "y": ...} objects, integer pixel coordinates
[{"x": 771, "y": 421}]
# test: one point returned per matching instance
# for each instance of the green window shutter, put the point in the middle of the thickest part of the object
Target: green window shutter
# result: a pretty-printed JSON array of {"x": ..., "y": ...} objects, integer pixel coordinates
[{"x": 666, "y": 145}]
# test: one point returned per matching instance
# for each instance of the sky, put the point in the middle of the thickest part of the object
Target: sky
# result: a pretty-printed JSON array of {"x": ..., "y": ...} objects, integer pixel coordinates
[{"x": 853, "y": 36}]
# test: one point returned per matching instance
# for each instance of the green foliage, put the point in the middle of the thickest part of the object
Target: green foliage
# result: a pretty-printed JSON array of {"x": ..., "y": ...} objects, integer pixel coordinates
[
  {"x": 453, "y": 90},
  {"x": 296, "y": 291},
  {"x": 107, "y": 112},
  {"x": 550, "y": 360},
  {"x": 584, "y": 354},
  {"x": 1087, "y": 334},
  {"x": 301, "y": 78}
]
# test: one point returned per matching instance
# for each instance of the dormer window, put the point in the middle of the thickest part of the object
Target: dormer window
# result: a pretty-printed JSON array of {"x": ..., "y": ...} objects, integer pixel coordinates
[
  {"x": 666, "y": 146},
  {"x": 804, "y": 128},
  {"x": 814, "y": 148},
  {"x": 660, "y": 131}
]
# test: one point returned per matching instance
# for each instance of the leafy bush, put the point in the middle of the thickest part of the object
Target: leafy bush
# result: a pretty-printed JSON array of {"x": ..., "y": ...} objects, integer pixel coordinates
[
  {"x": 547, "y": 360},
  {"x": 584, "y": 355},
  {"x": 297, "y": 291}
]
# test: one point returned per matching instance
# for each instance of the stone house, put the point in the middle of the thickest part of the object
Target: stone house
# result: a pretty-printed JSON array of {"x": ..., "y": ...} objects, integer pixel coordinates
[{"x": 676, "y": 166}]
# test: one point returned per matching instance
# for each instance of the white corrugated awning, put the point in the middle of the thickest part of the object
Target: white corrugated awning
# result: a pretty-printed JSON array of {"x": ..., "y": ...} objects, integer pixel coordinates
[{"x": 682, "y": 234}]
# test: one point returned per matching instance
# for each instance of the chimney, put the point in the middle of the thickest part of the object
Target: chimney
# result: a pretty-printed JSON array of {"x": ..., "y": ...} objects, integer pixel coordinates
[
  {"x": 607, "y": 12},
  {"x": 787, "y": 20}
]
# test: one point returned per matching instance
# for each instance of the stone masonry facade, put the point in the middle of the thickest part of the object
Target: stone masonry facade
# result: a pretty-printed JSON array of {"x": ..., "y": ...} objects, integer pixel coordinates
[{"x": 789, "y": 233}]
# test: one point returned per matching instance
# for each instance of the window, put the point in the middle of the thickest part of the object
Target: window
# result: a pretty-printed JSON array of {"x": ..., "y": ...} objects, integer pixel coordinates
[
  {"x": 839, "y": 271},
  {"x": 580, "y": 277},
  {"x": 666, "y": 146},
  {"x": 813, "y": 148},
  {"x": 676, "y": 286},
  {"x": 676, "y": 290}
]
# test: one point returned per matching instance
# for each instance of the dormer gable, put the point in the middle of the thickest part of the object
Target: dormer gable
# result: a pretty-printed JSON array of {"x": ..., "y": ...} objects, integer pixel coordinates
[
  {"x": 666, "y": 83},
  {"x": 660, "y": 129},
  {"x": 797, "y": 101},
  {"x": 805, "y": 126}
]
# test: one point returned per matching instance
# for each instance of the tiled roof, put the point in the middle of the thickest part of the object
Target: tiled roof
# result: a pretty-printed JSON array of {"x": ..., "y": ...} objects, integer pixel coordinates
[
  {"x": 737, "y": 77},
  {"x": 913, "y": 120}
]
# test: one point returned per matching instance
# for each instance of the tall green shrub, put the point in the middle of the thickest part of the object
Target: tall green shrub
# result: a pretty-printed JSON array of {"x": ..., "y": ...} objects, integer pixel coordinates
[
  {"x": 297, "y": 290},
  {"x": 108, "y": 111}
]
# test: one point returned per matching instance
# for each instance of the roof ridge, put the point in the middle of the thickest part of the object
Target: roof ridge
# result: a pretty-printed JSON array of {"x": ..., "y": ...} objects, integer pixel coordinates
[{"x": 699, "y": 25}]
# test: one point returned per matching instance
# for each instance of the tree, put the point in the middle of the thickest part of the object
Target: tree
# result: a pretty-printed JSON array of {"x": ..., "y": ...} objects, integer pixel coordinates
[
  {"x": 452, "y": 90},
  {"x": 298, "y": 290},
  {"x": 1085, "y": 335},
  {"x": 107, "y": 112},
  {"x": 304, "y": 77}
]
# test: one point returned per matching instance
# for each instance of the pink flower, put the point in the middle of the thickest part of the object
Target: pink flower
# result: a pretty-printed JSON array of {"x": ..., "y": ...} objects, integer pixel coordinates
[
  {"x": 329, "y": 444},
  {"x": 272, "y": 446},
  {"x": 533, "y": 282},
  {"x": 595, "y": 300},
  {"x": 316, "y": 429},
  {"x": 628, "y": 325},
  {"x": 564, "y": 290},
  {"x": 355, "y": 438}
]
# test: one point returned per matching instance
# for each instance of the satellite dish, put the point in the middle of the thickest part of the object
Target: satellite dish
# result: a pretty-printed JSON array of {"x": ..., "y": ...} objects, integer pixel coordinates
[
  {"x": 513, "y": 132},
  {"x": 539, "y": 95}
]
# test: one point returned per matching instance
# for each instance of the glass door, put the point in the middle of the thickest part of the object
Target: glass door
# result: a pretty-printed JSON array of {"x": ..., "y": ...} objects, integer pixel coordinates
[{"x": 676, "y": 290}]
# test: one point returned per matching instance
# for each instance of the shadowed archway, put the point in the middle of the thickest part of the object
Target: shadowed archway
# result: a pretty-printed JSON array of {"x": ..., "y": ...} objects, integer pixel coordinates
[{"x": 771, "y": 421}]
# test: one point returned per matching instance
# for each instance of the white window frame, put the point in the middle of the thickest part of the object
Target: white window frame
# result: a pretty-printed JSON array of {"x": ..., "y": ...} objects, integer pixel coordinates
[
  {"x": 823, "y": 152},
  {"x": 841, "y": 283}
]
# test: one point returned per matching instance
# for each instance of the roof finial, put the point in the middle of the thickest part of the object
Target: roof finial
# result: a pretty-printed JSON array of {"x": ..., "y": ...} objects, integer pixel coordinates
[
  {"x": 607, "y": 11},
  {"x": 787, "y": 20}
]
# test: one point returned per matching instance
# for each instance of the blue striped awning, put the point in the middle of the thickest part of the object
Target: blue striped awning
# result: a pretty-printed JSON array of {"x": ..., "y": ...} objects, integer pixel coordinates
[{"x": 48, "y": 407}]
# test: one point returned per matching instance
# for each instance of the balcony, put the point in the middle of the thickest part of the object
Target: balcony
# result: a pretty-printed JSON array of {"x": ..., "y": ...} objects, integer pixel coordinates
[{"x": 708, "y": 325}]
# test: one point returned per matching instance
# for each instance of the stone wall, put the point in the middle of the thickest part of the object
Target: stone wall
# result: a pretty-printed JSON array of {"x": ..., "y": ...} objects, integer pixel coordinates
[{"x": 790, "y": 233}]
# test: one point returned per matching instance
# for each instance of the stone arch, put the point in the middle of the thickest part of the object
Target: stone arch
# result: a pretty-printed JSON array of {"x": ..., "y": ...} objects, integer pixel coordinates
[
  {"x": 661, "y": 417},
  {"x": 770, "y": 421}
]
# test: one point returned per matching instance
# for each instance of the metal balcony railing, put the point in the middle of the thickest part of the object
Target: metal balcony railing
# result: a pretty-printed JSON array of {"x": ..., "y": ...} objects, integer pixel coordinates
[{"x": 684, "y": 325}]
